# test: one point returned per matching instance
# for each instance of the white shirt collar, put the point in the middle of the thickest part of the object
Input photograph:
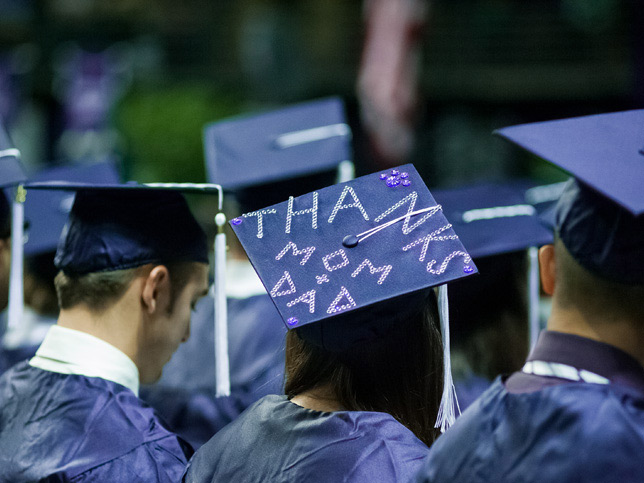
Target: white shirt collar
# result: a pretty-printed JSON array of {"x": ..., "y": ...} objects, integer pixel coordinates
[
  {"x": 68, "y": 351},
  {"x": 241, "y": 280}
]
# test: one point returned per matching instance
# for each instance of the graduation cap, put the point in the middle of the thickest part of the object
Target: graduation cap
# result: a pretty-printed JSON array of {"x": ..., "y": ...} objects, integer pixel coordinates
[
  {"x": 600, "y": 215},
  {"x": 495, "y": 219},
  {"x": 310, "y": 142},
  {"x": 120, "y": 226},
  {"x": 11, "y": 176},
  {"x": 330, "y": 258}
]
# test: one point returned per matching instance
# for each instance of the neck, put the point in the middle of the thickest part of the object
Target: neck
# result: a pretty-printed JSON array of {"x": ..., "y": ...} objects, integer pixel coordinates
[
  {"x": 320, "y": 398},
  {"x": 117, "y": 325},
  {"x": 623, "y": 334}
]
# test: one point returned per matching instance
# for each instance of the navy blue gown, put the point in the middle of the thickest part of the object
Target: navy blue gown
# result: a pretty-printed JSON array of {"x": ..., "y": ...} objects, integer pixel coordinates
[
  {"x": 185, "y": 395},
  {"x": 278, "y": 441},
  {"x": 469, "y": 388},
  {"x": 75, "y": 428},
  {"x": 533, "y": 428}
]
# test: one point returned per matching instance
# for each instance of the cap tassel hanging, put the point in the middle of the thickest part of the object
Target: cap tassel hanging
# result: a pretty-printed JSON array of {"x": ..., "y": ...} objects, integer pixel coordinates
[
  {"x": 533, "y": 290},
  {"x": 16, "y": 298},
  {"x": 221, "y": 325},
  {"x": 449, "y": 408}
]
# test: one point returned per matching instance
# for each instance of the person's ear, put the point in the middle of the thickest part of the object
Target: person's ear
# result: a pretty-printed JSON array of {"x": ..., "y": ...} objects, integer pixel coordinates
[
  {"x": 156, "y": 289},
  {"x": 547, "y": 268}
]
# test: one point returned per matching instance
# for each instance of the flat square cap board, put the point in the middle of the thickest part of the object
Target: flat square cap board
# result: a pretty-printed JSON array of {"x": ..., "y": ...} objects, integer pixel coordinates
[
  {"x": 493, "y": 218},
  {"x": 352, "y": 245},
  {"x": 604, "y": 151},
  {"x": 287, "y": 143}
]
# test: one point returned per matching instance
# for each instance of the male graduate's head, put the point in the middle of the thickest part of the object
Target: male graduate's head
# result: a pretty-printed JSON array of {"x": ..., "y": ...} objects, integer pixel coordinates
[
  {"x": 133, "y": 263},
  {"x": 596, "y": 266},
  {"x": 5, "y": 250}
]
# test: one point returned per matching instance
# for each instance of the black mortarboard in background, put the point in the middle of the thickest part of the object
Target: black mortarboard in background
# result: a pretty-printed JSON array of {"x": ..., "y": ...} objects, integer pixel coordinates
[{"x": 290, "y": 151}]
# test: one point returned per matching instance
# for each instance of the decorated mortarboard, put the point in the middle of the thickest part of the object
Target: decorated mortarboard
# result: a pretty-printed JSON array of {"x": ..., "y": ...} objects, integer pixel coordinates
[
  {"x": 495, "y": 219},
  {"x": 329, "y": 257},
  {"x": 291, "y": 142},
  {"x": 46, "y": 212},
  {"x": 600, "y": 215}
]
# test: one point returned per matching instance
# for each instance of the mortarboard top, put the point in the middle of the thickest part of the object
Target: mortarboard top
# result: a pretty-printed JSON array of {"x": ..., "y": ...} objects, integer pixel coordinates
[
  {"x": 120, "y": 226},
  {"x": 599, "y": 215},
  {"x": 46, "y": 211},
  {"x": 493, "y": 218},
  {"x": 321, "y": 256},
  {"x": 604, "y": 151},
  {"x": 276, "y": 146}
]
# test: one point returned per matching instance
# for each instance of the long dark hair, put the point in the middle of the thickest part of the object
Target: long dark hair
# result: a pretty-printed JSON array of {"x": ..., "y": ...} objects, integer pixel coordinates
[{"x": 400, "y": 373}]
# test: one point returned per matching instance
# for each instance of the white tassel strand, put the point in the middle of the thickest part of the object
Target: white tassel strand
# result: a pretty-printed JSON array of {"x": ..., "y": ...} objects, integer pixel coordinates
[
  {"x": 449, "y": 407},
  {"x": 533, "y": 290},
  {"x": 221, "y": 316},
  {"x": 16, "y": 298}
]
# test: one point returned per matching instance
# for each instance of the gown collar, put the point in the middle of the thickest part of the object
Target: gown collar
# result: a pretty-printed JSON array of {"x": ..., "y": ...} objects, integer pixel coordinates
[{"x": 68, "y": 351}]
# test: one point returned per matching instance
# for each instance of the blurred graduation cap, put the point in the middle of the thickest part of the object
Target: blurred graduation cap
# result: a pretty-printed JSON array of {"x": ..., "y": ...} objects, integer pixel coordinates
[
  {"x": 332, "y": 258},
  {"x": 258, "y": 157},
  {"x": 600, "y": 215},
  {"x": 11, "y": 176},
  {"x": 263, "y": 158},
  {"x": 494, "y": 219},
  {"x": 120, "y": 226}
]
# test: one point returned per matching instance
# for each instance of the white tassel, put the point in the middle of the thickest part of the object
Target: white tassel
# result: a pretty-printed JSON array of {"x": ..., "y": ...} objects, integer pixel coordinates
[
  {"x": 16, "y": 298},
  {"x": 222, "y": 371},
  {"x": 449, "y": 402},
  {"x": 533, "y": 291}
]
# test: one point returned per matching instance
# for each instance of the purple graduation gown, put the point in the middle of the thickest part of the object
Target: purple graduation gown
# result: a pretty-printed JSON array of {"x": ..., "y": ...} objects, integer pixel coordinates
[
  {"x": 276, "y": 440},
  {"x": 81, "y": 429},
  {"x": 533, "y": 428},
  {"x": 185, "y": 395}
]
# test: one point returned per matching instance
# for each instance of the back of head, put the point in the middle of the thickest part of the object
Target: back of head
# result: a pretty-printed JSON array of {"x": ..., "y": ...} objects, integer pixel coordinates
[
  {"x": 111, "y": 234},
  {"x": 399, "y": 372},
  {"x": 600, "y": 255}
]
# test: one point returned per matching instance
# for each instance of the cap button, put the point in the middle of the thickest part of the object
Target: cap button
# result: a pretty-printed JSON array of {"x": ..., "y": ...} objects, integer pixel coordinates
[{"x": 350, "y": 241}]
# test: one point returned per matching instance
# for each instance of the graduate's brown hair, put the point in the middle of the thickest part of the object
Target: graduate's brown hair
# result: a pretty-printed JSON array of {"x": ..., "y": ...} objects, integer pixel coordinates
[
  {"x": 97, "y": 290},
  {"x": 400, "y": 373}
]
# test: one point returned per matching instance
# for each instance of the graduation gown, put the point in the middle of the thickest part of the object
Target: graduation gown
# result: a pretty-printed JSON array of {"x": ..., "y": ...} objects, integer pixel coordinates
[
  {"x": 469, "y": 388},
  {"x": 185, "y": 395},
  {"x": 276, "y": 440},
  {"x": 77, "y": 428},
  {"x": 533, "y": 428}
]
